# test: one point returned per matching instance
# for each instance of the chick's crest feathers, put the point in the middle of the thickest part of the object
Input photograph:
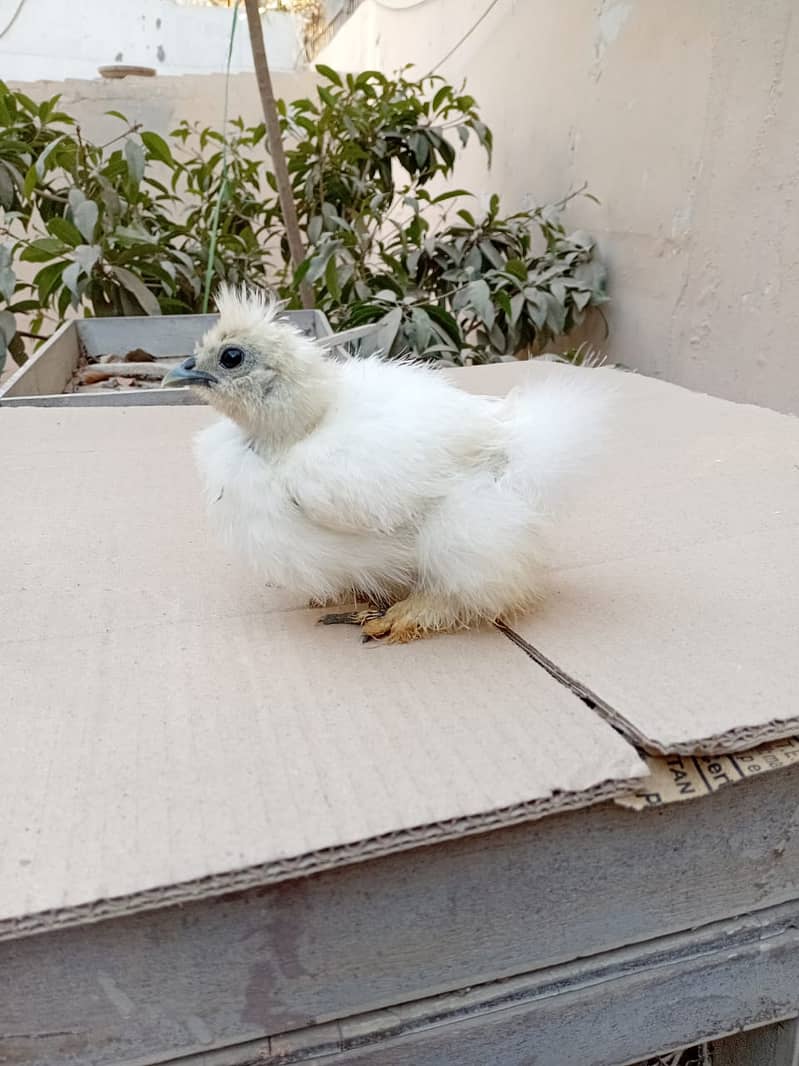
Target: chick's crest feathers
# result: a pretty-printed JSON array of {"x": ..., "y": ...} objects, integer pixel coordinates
[{"x": 242, "y": 309}]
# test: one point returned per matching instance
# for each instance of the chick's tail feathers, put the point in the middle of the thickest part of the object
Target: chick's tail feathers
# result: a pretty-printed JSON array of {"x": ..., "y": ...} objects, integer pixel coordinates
[{"x": 557, "y": 429}]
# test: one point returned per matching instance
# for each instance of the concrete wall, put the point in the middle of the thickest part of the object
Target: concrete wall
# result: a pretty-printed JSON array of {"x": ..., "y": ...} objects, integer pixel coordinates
[
  {"x": 160, "y": 103},
  {"x": 683, "y": 117},
  {"x": 53, "y": 39}
]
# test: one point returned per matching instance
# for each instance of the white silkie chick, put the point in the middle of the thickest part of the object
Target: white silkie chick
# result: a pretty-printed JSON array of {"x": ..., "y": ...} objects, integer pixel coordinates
[{"x": 379, "y": 481}]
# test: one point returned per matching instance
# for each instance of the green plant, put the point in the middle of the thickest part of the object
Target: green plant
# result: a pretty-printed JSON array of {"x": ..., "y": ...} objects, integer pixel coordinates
[
  {"x": 371, "y": 155},
  {"x": 126, "y": 227},
  {"x": 121, "y": 228}
]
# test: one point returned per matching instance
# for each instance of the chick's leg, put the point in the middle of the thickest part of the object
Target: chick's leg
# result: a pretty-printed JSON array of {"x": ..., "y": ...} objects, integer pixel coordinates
[
  {"x": 375, "y": 607},
  {"x": 419, "y": 615},
  {"x": 351, "y": 618}
]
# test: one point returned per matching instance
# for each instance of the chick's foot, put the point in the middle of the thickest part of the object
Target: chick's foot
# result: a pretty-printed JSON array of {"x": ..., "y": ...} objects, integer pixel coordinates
[
  {"x": 351, "y": 618},
  {"x": 413, "y": 618}
]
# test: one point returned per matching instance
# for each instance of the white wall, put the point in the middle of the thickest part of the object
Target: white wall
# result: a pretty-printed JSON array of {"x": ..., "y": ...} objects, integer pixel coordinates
[
  {"x": 52, "y": 39},
  {"x": 159, "y": 104},
  {"x": 683, "y": 117}
]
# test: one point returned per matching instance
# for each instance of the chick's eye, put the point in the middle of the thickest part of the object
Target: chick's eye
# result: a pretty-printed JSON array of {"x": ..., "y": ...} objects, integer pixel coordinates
[{"x": 231, "y": 357}]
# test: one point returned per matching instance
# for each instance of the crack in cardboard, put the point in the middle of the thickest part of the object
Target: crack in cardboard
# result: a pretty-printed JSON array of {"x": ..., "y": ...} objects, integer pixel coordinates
[{"x": 739, "y": 739}]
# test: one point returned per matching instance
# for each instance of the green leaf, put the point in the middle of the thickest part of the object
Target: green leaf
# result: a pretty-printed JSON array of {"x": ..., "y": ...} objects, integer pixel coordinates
[
  {"x": 331, "y": 278},
  {"x": 536, "y": 308},
  {"x": 47, "y": 280},
  {"x": 422, "y": 328},
  {"x": 326, "y": 96},
  {"x": 17, "y": 350},
  {"x": 489, "y": 250},
  {"x": 40, "y": 165},
  {"x": 319, "y": 264},
  {"x": 8, "y": 327},
  {"x": 70, "y": 279},
  {"x": 441, "y": 96},
  {"x": 85, "y": 215},
  {"x": 157, "y": 147},
  {"x": 64, "y": 230},
  {"x": 87, "y": 255},
  {"x": 451, "y": 194},
  {"x": 43, "y": 249},
  {"x": 502, "y": 300},
  {"x": 558, "y": 290},
  {"x": 134, "y": 154},
  {"x": 23, "y": 307},
  {"x": 314, "y": 229},
  {"x": 474, "y": 261},
  {"x": 6, "y": 188},
  {"x": 329, "y": 73},
  {"x": 421, "y": 149},
  {"x": 581, "y": 299},
  {"x": 8, "y": 282},
  {"x": 75, "y": 197},
  {"x": 136, "y": 287},
  {"x": 63, "y": 302},
  {"x": 111, "y": 201},
  {"x": 447, "y": 323},
  {"x": 117, "y": 114},
  {"x": 592, "y": 275},
  {"x": 31, "y": 180},
  {"x": 27, "y": 103},
  {"x": 556, "y": 314},
  {"x": 497, "y": 338},
  {"x": 387, "y": 295},
  {"x": 518, "y": 268},
  {"x": 479, "y": 296}
]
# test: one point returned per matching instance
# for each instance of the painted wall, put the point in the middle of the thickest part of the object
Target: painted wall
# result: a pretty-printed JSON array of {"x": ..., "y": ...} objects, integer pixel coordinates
[
  {"x": 683, "y": 118},
  {"x": 160, "y": 103},
  {"x": 50, "y": 39}
]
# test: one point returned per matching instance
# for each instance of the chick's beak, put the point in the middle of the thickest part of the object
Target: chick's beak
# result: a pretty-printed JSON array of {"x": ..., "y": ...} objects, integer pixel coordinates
[{"x": 186, "y": 374}]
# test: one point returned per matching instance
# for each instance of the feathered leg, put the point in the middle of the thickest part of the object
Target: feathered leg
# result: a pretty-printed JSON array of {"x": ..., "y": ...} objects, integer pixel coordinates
[
  {"x": 418, "y": 616},
  {"x": 376, "y": 607}
]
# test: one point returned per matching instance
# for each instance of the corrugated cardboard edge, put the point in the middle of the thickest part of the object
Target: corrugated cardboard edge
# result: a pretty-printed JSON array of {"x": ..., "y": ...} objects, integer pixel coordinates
[
  {"x": 740, "y": 739},
  {"x": 677, "y": 778},
  {"x": 313, "y": 862}
]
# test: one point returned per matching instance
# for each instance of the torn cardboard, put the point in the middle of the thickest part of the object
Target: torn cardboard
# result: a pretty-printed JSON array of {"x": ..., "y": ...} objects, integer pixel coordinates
[
  {"x": 172, "y": 729},
  {"x": 676, "y": 778},
  {"x": 675, "y": 603}
]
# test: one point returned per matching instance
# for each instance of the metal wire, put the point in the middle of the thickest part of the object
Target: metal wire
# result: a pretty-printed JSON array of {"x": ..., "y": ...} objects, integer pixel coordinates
[{"x": 13, "y": 19}]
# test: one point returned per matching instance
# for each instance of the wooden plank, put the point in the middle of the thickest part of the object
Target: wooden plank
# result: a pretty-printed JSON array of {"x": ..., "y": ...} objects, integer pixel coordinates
[
  {"x": 405, "y": 927},
  {"x": 110, "y": 398},
  {"x": 771, "y": 1045},
  {"x": 614, "y": 1009},
  {"x": 159, "y": 335},
  {"x": 47, "y": 374},
  {"x": 162, "y": 335},
  {"x": 49, "y": 370}
]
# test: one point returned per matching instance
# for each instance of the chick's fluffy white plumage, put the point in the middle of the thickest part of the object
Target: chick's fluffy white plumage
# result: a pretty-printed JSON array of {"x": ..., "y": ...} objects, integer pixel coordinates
[{"x": 381, "y": 479}]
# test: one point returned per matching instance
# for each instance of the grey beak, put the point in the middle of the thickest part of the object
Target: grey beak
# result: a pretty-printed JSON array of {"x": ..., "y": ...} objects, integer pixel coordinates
[{"x": 186, "y": 374}]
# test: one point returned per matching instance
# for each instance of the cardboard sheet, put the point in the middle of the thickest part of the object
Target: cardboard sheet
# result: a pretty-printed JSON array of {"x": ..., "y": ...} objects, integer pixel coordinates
[
  {"x": 676, "y": 598},
  {"x": 172, "y": 729},
  {"x": 676, "y": 778}
]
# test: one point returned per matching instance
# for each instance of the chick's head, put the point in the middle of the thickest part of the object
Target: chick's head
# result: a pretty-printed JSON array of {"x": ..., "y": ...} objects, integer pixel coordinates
[{"x": 252, "y": 366}]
